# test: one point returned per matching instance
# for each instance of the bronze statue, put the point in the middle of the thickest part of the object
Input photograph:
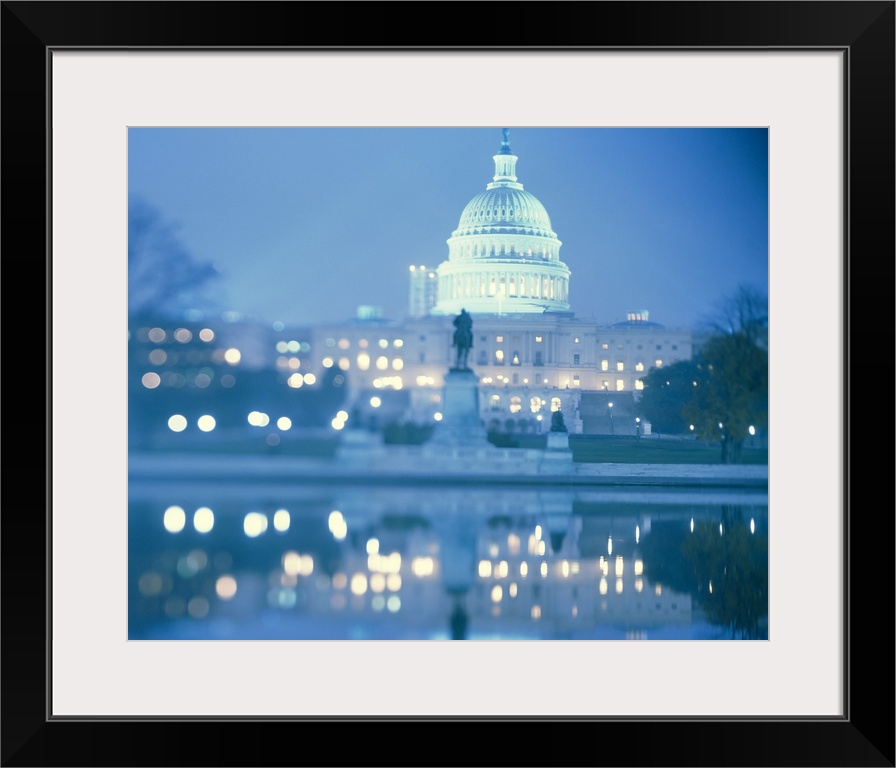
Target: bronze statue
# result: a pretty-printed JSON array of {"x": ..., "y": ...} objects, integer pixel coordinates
[
  {"x": 557, "y": 423},
  {"x": 463, "y": 339}
]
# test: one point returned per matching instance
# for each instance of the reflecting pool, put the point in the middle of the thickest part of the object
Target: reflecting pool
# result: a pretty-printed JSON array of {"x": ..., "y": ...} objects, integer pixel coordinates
[{"x": 253, "y": 561}]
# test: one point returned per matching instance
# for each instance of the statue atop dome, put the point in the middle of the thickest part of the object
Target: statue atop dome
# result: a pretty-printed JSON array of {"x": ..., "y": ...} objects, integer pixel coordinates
[
  {"x": 505, "y": 142},
  {"x": 463, "y": 339}
]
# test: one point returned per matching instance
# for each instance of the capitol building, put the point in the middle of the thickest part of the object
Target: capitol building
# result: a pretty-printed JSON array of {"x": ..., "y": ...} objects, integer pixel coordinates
[{"x": 530, "y": 352}]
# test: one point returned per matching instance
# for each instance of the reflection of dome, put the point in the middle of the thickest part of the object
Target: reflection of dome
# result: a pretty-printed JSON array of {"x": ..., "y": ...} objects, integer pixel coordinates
[{"x": 504, "y": 256}]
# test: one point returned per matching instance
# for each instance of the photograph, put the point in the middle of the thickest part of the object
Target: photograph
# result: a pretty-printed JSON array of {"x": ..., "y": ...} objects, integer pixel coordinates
[
  {"x": 448, "y": 383},
  {"x": 546, "y": 345}
]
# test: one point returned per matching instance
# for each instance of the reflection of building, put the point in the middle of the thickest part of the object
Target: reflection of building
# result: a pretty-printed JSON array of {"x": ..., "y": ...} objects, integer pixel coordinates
[{"x": 389, "y": 563}]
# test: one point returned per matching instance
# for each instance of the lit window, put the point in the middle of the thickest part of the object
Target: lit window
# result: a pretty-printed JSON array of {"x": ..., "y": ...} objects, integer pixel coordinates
[
  {"x": 343, "y": 344},
  {"x": 555, "y": 404},
  {"x": 499, "y": 339},
  {"x": 382, "y": 363},
  {"x": 639, "y": 385},
  {"x": 515, "y": 404},
  {"x": 620, "y": 366},
  {"x": 639, "y": 367},
  {"x": 575, "y": 380},
  {"x": 538, "y": 339},
  {"x": 658, "y": 363},
  {"x": 604, "y": 346},
  {"x": 605, "y": 365},
  {"x": 620, "y": 385}
]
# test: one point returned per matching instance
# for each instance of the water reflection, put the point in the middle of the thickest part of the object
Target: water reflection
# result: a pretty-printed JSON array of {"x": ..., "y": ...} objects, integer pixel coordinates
[{"x": 324, "y": 563}]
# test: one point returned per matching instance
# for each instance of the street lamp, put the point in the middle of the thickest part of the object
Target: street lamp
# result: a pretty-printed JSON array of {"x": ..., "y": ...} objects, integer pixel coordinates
[
  {"x": 610, "y": 413},
  {"x": 638, "y": 426}
]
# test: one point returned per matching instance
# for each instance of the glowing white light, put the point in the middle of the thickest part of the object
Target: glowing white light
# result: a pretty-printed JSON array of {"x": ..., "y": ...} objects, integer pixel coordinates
[
  {"x": 284, "y": 423},
  {"x": 151, "y": 380},
  {"x": 309, "y": 378},
  {"x": 752, "y": 525},
  {"x": 752, "y": 430},
  {"x": 175, "y": 519},
  {"x": 485, "y": 569},
  {"x": 225, "y": 587},
  {"x": 281, "y": 520},
  {"x": 437, "y": 416},
  {"x": 177, "y": 423},
  {"x": 258, "y": 419},
  {"x": 337, "y": 524},
  {"x": 206, "y": 423},
  {"x": 337, "y": 424},
  {"x": 497, "y": 593},
  {"x": 327, "y": 362},
  {"x": 358, "y": 584},
  {"x": 255, "y": 524},
  {"x": 375, "y": 402},
  {"x": 373, "y": 546},
  {"x": 610, "y": 545},
  {"x": 206, "y": 334},
  {"x": 295, "y": 381},
  {"x": 232, "y": 355},
  {"x": 203, "y": 519},
  {"x": 157, "y": 335}
]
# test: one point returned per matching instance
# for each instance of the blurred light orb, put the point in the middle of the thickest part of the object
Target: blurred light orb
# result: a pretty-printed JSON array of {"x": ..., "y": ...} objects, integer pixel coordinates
[
  {"x": 174, "y": 519},
  {"x": 437, "y": 416},
  {"x": 375, "y": 402},
  {"x": 227, "y": 380},
  {"x": 337, "y": 424},
  {"x": 151, "y": 380},
  {"x": 358, "y": 584},
  {"x": 281, "y": 520},
  {"x": 207, "y": 334},
  {"x": 158, "y": 356},
  {"x": 232, "y": 355},
  {"x": 203, "y": 520},
  {"x": 198, "y": 607},
  {"x": 157, "y": 335},
  {"x": 284, "y": 423},
  {"x": 272, "y": 439},
  {"x": 183, "y": 335},
  {"x": 295, "y": 381},
  {"x": 393, "y": 604},
  {"x": 177, "y": 423},
  {"x": 225, "y": 587},
  {"x": 206, "y": 423},
  {"x": 255, "y": 524},
  {"x": 309, "y": 378},
  {"x": 259, "y": 419}
]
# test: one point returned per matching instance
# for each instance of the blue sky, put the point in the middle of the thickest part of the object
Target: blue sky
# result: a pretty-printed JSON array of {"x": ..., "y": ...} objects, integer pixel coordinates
[{"x": 305, "y": 224}]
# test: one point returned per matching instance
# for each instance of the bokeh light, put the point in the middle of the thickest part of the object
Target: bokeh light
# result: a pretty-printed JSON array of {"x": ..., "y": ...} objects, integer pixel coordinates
[{"x": 174, "y": 519}]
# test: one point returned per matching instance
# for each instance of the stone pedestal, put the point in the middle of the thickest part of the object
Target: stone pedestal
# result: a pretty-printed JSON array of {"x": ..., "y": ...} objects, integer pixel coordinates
[
  {"x": 557, "y": 454},
  {"x": 461, "y": 423}
]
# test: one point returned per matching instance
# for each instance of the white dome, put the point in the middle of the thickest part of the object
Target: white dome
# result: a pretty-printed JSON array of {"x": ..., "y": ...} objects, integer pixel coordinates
[
  {"x": 504, "y": 255},
  {"x": 505, "y": 210}
]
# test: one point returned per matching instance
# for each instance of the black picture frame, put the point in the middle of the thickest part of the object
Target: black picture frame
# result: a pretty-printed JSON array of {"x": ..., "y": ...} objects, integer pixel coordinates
[{"x": 864, "y": 736}]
